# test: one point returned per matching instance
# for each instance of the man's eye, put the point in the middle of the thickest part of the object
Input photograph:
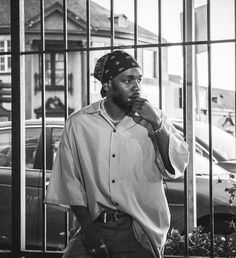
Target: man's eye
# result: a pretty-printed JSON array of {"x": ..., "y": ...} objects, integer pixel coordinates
[{"x": 128, "y": 81}]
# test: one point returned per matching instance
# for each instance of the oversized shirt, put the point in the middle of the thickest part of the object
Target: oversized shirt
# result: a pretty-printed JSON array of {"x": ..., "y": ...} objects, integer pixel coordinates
[{"x": 100, "y": 166}]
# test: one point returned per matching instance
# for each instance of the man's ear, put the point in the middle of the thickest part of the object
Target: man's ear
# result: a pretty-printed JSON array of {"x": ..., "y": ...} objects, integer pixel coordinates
[{"x": 106, "y": 85}]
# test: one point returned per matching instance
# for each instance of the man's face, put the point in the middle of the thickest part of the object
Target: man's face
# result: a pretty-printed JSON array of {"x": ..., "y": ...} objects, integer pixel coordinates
[{"x": 125, "y": 87}]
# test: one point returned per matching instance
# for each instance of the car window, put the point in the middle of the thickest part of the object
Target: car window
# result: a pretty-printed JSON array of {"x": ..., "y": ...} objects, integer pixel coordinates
[
  {"x": 32, "y": 140},
  {"x": 5, "y": 148},
  {"x": 223, "y": 142},
  {"x": 56, "y": 137}
]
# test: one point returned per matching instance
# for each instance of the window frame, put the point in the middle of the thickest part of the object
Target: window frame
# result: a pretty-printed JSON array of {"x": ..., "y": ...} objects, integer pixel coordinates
[{"x": 6, "y": 58}]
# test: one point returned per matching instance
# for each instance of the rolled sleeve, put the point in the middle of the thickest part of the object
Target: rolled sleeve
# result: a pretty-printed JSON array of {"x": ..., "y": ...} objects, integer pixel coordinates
[
  {"x": 178, "y": 151},
  {"x": 65, "y": 186},
  {"x": 178, "y": 155}
]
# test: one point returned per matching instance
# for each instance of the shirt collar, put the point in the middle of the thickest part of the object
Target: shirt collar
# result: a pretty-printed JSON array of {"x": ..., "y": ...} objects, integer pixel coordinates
[{"x": 94, "y": 107}]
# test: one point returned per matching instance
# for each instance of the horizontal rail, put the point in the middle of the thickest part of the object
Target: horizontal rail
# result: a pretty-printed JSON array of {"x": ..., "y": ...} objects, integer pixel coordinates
[{"x": 131, "y": 46}]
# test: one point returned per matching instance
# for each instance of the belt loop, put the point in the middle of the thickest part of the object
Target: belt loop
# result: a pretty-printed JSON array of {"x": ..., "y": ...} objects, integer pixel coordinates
[{"x": 105, "y": 218}]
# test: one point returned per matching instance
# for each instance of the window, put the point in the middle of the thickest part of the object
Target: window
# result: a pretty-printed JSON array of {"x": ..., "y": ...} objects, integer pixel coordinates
[
  {"x": 180, "y": 98},
  {"x": 5, "y": 148},
  {"x": 56, "y": 137},
  {"x": 54, "y": 69},
  {"x": 5, "y": 60},
  {"x": 32, "y": 141},
  {"x": 149, "y": 64},
  {"x": 54, "y": 72}
]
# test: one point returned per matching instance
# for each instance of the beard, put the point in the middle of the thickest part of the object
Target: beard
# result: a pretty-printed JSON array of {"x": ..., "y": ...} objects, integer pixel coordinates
[{"x": 122, "y": 103}]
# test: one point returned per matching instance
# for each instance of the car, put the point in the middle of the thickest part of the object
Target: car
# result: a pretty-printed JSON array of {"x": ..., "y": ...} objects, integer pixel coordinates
[
  {"x": 56, "y": 222},
  {"x": 33, "y": 160},
  {"x": 224, "y": 211},
  {"x": 223, "y": 144}
]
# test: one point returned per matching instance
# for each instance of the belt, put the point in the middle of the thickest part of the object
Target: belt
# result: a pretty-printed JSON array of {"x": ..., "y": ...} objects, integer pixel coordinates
[{"x": 112, "y": 215}]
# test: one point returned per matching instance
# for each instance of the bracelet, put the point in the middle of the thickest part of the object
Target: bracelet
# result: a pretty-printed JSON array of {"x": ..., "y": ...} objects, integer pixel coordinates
[{"x": 160, "y": 128}]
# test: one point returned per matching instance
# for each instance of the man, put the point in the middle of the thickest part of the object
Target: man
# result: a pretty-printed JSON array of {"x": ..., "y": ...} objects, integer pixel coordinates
[{"x": 110, "y": 164}]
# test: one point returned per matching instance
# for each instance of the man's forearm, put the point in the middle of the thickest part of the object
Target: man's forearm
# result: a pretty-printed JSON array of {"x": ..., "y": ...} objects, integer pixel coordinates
[
  {"x": 82, "y": 214},
  {"x": 163, "y": 138}
]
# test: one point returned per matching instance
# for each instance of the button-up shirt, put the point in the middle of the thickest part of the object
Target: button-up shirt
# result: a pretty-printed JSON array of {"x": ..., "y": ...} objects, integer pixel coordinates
[{"x": 120, "y": 167}]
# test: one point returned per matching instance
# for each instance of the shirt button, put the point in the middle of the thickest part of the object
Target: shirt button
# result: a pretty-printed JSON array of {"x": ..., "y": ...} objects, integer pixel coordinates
[
  {"x": 114, "y": 130},
  {"x": 113, "y": 181},
  {"x": 113, "y": 155}
]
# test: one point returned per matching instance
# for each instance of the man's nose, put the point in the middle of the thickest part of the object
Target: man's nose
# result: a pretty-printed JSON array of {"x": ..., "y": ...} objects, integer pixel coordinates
[{"x": 136, "y": 86}]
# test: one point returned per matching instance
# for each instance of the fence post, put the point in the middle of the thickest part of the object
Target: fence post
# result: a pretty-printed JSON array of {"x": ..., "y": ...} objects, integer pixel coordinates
[{"x": 18, "y": 123}]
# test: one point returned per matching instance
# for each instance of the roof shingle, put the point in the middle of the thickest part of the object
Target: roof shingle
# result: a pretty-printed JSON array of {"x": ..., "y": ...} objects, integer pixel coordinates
[{"x": 99, "y": 15}]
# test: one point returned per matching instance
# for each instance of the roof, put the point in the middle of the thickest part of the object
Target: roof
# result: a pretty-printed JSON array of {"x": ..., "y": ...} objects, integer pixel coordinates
[
  {"x": 227, "y": 98},
  {"x": 221, "y": 98},
  {"x": 76, "y": 9}
]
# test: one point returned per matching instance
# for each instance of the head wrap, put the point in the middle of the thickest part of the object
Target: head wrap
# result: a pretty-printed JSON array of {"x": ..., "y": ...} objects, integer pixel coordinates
[{"x": 112, "y": 64}]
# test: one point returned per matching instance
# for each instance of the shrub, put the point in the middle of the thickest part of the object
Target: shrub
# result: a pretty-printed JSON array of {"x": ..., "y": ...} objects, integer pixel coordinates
[{"x": 200, "y": 244}]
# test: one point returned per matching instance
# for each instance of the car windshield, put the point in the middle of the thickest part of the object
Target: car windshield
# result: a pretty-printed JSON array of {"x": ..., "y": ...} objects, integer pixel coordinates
[{"x": 223, "y": 142}]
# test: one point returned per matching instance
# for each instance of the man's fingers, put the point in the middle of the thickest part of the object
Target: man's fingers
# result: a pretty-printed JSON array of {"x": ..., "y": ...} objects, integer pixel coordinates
[
  {"x": 138, "y": 100},
  {"x": 102, "y": 252},
  {"x": 138, "y": 105},
  {"x": 92, "y": 252}
]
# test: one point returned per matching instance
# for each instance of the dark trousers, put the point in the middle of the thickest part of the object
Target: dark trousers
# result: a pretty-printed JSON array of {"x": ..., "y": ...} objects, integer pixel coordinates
[{"x": 119, "y": 239}]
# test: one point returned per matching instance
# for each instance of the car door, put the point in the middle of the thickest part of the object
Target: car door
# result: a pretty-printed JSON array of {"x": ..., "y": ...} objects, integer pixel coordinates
[
  {"x": 5, "y": 187},
  {"x": 55, "y": 219},
  {"x": 31, "y": 211},
  {"x": 222, "y": 210}
]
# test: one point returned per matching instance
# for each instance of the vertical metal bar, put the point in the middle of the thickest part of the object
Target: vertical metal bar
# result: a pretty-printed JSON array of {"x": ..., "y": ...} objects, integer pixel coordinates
[
  {"x": 65, "y": 41},
  {"x": 42, "y": 53},
  {"x": 190, "y": 114},
  {"x": 235, "y": 72},
  {"x": 112, "y": 23},
  {"x": 18, "y": 123},
  {"x": 135, "y": 28},
  {"x": 159, "y": 55},
  {"x": 184, "y": 130},
  {"x": 88, "y": 46},
  {"x": 211, "y": 203}
]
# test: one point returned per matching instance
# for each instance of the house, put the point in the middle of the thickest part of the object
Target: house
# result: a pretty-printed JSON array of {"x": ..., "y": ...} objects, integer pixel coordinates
[
  {"x": 54, "y": 59},
  {"x": 223, "y": 109},
  {"x": 222, "y": 104}
]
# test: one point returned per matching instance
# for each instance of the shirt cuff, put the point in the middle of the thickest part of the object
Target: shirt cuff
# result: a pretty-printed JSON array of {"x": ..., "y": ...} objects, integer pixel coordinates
[{"x": 178, "y": 155}]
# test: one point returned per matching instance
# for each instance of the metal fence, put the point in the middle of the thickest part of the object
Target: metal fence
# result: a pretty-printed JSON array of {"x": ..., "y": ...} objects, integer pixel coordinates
[{"x": 18, "y": 55}]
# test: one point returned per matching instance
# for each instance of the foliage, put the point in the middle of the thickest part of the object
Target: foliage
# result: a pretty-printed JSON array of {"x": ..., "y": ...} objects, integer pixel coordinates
[
  {"x": 231, "y": 190},
  {"x": 200, "y": 244}
]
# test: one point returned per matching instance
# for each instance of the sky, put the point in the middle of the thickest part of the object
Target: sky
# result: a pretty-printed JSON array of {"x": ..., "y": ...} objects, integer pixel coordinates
[{"x": 222, "y": 20}]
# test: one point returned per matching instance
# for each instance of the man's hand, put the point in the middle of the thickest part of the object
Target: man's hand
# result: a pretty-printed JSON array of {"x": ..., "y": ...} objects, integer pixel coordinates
[
  {"x": 145, "y": 110},
  {"x": 90, "y": 235},
  {"x": 93, "y": 241}
]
